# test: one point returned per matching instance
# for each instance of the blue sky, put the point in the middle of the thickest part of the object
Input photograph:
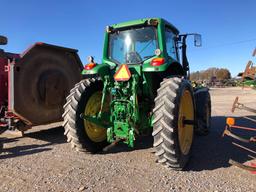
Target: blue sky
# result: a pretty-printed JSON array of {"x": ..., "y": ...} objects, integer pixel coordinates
[{"x": 228, "y": 27}]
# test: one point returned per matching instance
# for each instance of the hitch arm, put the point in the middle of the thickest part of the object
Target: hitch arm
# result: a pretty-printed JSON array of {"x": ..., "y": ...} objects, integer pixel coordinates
[
  {"x": 104, "y": 92},
  {"x": 242, "y": 166},
  {"x": 94, "y": 120},
  {"x": 228, "y": 133},
  {"x": 237, "y": 105}
]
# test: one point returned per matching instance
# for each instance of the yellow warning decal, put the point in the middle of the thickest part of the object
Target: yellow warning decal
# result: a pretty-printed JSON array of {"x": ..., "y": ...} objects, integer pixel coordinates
[{"x": 123, "y": 73}]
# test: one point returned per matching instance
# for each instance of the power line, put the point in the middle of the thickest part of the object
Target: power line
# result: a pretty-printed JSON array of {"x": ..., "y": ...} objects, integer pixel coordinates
[{"x": 232, "y": 43}]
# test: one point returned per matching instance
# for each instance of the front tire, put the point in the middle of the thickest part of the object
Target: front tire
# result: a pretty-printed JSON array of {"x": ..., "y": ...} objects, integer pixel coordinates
[
  {"x": 84, "y": 98},
  {"x": 172, "y": 137},
  {"x": 1, "y": 146},
  {"x": 203, "y": 111}
]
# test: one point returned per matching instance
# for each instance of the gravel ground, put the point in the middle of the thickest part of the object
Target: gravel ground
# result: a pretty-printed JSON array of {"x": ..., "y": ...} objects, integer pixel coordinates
[{"x": 43, "y": 161}]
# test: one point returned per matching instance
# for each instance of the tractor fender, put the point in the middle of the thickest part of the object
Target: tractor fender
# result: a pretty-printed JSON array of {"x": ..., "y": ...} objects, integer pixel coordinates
[
  {"x": 147, "y": 67},
  {"x": 170, "y": 67},
  {"x": 99, "y": 70}
]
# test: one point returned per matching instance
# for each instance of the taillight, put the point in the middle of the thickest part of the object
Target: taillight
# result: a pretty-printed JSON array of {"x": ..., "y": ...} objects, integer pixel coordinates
[
  {"x": 157, "y": 61},
  {"x": 89, "y": 66}
]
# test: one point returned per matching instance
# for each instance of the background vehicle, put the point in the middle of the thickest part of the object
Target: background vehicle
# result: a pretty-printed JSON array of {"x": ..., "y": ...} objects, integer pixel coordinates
[
  {"x": 34, "y": 84},
  {"x": 141, "y": 85}
]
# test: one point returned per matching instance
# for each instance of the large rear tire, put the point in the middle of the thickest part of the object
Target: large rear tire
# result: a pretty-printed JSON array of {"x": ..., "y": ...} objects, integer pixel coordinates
[
  {"x": 84, "y": 98},
  {"x": 172, "y": 137}
]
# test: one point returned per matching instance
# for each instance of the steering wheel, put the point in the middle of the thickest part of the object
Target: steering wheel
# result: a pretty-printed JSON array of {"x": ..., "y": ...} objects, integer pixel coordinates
[{"x": 133, "y": 57}]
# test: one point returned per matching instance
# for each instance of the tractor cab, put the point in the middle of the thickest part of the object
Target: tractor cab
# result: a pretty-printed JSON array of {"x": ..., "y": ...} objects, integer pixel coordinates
[
  {"x": 152, "y": 43},
  {"x": 132, "y": 46}
]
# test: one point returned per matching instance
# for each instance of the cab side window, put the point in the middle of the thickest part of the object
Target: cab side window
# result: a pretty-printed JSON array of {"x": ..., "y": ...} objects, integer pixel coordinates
[{"x": 170, "y": 44}]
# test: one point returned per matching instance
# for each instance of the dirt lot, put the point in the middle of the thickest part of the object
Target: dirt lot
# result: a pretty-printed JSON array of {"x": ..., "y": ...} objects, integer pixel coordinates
[{"x": 43, "y": 161}]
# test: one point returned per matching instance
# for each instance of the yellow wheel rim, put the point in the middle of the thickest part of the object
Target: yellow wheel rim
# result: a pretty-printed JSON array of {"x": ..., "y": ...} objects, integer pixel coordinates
[
  {"x": 185, "y": 132},
  {"x": 94, "y": 132}
]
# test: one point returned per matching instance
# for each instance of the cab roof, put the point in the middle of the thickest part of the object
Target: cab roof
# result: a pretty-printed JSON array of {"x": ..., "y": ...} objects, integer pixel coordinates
[{"x": 143, "y": 21}]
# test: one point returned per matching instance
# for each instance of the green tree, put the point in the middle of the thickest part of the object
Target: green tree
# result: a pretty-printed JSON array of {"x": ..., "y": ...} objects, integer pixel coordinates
[{"x": 208, "y": 74}]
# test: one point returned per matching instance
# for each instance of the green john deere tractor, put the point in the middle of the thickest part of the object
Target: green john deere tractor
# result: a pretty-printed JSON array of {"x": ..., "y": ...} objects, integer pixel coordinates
[{"x": 140, "y": 87}]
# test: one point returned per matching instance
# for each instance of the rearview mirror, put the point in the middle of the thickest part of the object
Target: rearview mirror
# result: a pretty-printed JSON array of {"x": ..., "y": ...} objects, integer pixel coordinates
[
  {"x": 3, "y": 40},
  {"x": 197, "y": 40}
]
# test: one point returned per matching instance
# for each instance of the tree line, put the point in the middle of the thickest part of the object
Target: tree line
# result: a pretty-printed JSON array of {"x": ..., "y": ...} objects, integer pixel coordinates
[{"x": 211, "y": 74}]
